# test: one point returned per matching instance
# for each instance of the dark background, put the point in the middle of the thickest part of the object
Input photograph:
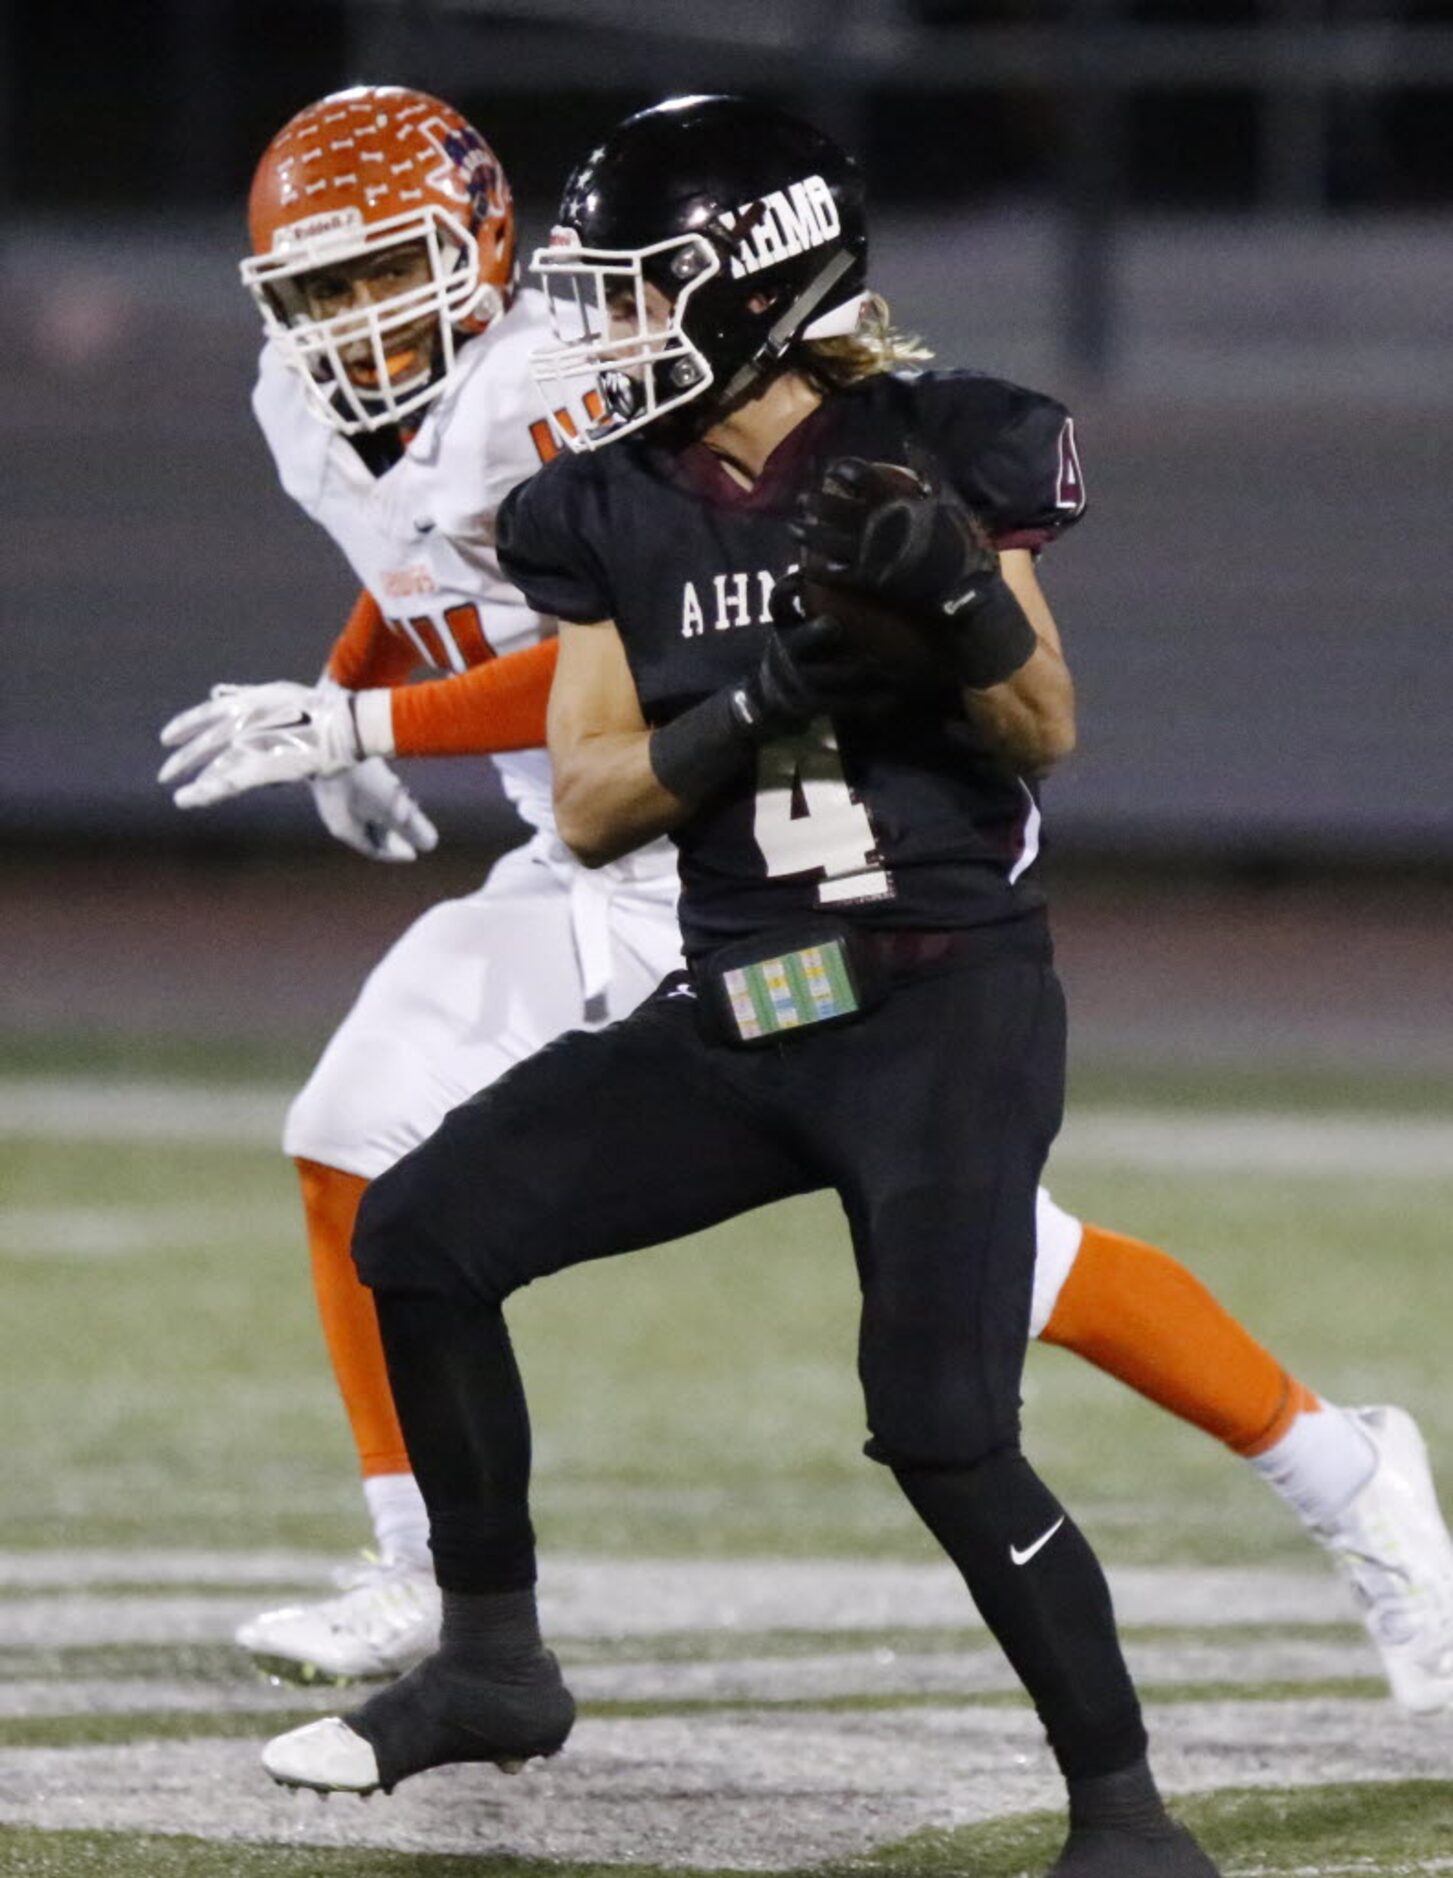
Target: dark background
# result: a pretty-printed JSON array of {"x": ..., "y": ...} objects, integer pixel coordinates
[{"x": 1222, "y": 233}]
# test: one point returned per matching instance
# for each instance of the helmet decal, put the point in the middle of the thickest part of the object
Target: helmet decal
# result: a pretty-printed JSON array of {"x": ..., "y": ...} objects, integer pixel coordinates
[
  {"x": 783, "y": 223},
  {"x": 468, "y": 169}
]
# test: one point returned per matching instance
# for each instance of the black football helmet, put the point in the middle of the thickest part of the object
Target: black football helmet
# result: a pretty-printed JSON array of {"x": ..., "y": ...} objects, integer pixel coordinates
[{"x": 694, "y": 246}]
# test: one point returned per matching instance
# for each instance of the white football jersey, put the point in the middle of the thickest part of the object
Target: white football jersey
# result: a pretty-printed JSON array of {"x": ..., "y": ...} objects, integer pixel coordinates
[{"x": 420, "y": 537}]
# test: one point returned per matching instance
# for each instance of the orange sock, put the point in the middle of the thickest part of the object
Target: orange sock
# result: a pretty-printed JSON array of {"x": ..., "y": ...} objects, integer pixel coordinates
[
  {"x": 1132, "y": 1311},
  {"x": 350, "y": 1324}
]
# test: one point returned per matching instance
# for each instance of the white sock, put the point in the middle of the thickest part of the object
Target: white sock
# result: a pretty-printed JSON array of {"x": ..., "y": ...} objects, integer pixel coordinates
[
  {"x": 1321, "y": 1463},
  {"x": 400, "y": 1521}
]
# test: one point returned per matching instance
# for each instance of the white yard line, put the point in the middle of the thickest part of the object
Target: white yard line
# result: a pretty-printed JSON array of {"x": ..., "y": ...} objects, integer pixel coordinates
[
  {"x": 732, "y": 1791},
  {"x": 50, "y": 1571},
  {"x": 627, "y": 1597},
  {"x": 65, "y": 1108},
  {"x": 1403, "y": 1147},
  {"x": 964, "y": 1670},
  {"x": 123, "y": 1231}
]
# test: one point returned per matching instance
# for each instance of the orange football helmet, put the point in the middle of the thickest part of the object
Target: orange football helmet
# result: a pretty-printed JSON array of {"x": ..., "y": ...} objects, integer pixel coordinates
[{"x": 359, "y": 175}]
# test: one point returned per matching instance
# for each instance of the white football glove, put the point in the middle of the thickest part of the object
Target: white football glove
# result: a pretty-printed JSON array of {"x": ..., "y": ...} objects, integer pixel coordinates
[
  {"x": 247, "y": 736},
  {"x": 370, "y": 809}
]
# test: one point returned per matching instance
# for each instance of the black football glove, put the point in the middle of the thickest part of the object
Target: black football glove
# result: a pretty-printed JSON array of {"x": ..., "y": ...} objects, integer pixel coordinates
[
  {"x": 878, "y": 529},
  {"x": 810, "y": 667}
]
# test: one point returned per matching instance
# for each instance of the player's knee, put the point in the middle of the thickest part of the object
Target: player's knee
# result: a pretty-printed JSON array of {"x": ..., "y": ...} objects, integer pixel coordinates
[
  {"x": 402, "y": 1238},
  {"x": 976, "y": 1478},
  {"x": 1057, "y": 1236},
  {"x": 954, "y": 1442},
  {"x": 437, "y": 1222},
  {"x": 939, "y": 1405},
  {"x": 365, "y": 1104},
  {"x": 307, "y": 1120}
]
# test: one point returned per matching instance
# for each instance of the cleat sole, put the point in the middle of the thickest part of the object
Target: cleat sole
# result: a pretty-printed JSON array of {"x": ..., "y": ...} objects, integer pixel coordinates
[
  {"x": 506, "y": 1765},
  {"x": 277, "y": 1670},
  {"x": 324, "y": 1792}
]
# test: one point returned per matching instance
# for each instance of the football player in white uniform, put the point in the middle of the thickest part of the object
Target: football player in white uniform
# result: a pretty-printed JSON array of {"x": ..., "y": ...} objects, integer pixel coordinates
[{"x": 394, "y": 391}]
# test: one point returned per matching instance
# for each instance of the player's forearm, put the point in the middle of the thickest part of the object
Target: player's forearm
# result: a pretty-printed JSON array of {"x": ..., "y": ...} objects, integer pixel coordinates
[
  {"x": 494, "y": 707},
  {"x": 608, "y": 799},
  {"x": 1028, "y": 719}
]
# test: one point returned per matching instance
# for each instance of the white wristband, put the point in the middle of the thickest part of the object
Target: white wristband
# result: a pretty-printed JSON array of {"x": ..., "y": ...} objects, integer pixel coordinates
[{"x": 373, "y": 718}]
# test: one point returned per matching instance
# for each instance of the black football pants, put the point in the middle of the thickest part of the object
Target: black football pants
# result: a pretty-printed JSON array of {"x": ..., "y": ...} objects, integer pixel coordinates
[{"x": 931, "y": 1116}]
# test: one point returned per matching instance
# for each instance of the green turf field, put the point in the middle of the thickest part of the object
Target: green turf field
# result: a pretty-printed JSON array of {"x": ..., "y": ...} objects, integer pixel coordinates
[{"x": 163, "y": 1384}]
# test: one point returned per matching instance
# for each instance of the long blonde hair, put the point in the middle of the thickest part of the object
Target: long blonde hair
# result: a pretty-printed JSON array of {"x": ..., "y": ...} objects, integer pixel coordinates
[{"x": 876, "y": 346}]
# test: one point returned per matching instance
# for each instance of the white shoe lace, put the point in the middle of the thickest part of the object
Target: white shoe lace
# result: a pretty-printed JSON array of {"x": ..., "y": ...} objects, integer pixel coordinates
[
  {"x": 369, "y": 1568},
  {"x": 358, "y": 1571},
  {"x": 384, "y": 1608},
  {"x": 1397, "y": 1606},
  {"x": 1405, "y": 1588}
]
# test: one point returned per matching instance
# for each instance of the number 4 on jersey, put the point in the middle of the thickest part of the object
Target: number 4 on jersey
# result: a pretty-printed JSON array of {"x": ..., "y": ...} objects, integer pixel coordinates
[{"x": 808, "y": 819}]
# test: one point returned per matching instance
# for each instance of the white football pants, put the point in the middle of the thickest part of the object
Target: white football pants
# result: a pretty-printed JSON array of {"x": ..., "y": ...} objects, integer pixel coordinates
[{"x": 479, "y": 983}]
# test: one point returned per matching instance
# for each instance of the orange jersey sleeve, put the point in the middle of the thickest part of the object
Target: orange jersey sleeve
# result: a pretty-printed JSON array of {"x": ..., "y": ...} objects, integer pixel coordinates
[
  {"x": 366, "y": 654},
  {"x": 493, "y": 707}
]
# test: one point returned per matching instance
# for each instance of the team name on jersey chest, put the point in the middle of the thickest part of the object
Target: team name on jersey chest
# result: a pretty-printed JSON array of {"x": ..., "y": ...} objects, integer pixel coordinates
[
  {"x": 402, "y": 583},
  {"x": 727, "y": 601}
]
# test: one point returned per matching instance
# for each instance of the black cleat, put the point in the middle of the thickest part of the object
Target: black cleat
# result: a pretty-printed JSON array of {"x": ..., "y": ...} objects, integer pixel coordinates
[
  {"x": 1113, "y": 1852},
  {"x": 437, "y": 1714},
  {"x": 443, "y": 1712}
]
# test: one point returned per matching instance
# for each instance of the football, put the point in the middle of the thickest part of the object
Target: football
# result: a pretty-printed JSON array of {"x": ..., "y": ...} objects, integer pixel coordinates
[{"x": 910, "y": 653}]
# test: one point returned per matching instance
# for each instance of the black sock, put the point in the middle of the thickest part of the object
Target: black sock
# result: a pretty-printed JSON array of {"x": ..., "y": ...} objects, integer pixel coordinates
[
  {"x": 1040, "y": 1589},
  {"x": 494, "y": 1631}
]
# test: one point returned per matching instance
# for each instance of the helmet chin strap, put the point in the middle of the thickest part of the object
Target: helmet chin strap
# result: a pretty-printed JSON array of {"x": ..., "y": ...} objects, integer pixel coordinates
[{"x": 784, "y": 328}]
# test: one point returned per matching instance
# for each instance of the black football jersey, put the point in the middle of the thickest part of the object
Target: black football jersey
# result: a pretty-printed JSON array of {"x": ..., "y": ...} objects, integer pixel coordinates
[{"x": 896, "y": 820}]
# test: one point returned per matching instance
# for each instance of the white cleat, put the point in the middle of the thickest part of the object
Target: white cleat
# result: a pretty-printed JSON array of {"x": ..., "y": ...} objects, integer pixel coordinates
[
  {"x": 384, "y": 1624},
  {"x": 326, "y": 1756},
  {"x": 1393, "y": 1548}
]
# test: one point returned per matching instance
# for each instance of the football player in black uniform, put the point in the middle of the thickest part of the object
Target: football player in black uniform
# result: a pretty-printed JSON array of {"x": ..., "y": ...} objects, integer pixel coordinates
[{"x": 801, "y": 630}]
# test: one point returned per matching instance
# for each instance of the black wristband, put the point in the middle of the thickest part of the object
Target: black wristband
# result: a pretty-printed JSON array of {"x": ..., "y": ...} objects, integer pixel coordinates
[
  {"x": 992, "y": 638},
  {"x": 703, "y": 748}
]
